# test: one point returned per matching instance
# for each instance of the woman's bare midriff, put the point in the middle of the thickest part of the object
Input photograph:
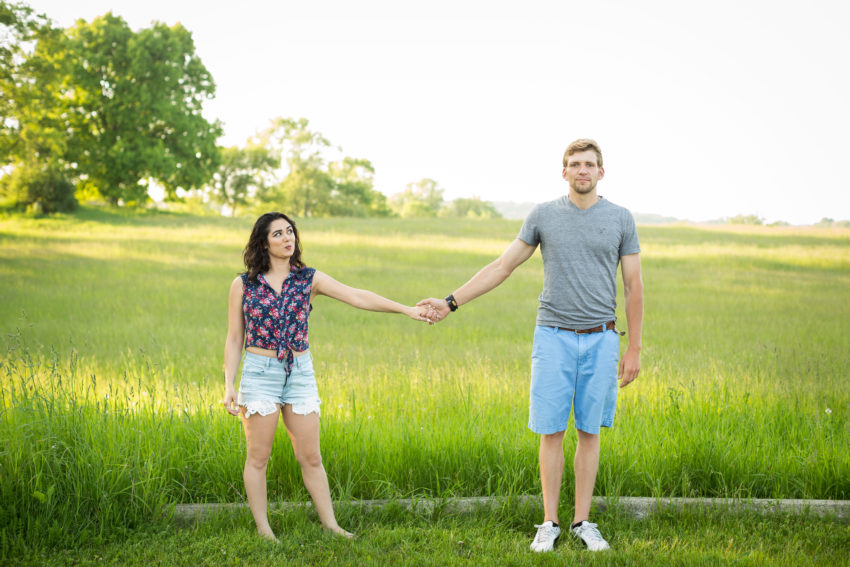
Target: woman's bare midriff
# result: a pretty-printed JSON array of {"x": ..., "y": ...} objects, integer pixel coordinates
[{"x": 272, "y": 353}]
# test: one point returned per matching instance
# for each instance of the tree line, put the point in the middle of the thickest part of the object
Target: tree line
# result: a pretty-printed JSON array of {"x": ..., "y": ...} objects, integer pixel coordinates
[{"x": 98, "y": 111}]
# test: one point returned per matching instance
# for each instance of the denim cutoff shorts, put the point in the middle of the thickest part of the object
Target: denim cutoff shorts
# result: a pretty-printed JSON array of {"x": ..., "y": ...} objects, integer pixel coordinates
[
  {"x": 572, "y": 371},
  {"x": 264, "y": 385}
]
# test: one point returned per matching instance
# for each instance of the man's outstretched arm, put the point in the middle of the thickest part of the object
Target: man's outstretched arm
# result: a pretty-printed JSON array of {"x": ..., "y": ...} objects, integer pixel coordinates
[{"x": 486, "y": 279}]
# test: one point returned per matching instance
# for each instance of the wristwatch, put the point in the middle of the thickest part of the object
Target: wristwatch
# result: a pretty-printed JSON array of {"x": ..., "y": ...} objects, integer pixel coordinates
[{"x": 452, "y": 302}]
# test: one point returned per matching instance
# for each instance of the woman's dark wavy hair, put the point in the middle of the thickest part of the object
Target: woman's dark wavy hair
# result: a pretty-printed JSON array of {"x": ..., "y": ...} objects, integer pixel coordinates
[{"x": 256, "y": 254}]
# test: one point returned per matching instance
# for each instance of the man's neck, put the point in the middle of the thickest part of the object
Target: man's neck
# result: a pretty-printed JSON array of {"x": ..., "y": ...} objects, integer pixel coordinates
[{"x": 583, "y": 201}]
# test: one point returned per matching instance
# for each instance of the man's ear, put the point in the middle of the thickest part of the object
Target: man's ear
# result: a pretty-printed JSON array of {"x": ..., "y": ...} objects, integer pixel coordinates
[{"x": 601, "y": 173}]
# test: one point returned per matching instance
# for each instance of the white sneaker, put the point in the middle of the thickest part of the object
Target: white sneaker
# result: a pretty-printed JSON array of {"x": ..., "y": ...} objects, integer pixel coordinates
[
  {"x": 547, "y": 533},
  {"x": 590, "y": 536}
]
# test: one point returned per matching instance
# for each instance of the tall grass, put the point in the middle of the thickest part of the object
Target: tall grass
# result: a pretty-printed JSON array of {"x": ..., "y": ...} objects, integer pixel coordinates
[{"x": 113, "y": 331}]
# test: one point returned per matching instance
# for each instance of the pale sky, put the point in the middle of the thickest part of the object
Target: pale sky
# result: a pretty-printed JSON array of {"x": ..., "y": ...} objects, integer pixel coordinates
[{"x": 703, "y": 110}]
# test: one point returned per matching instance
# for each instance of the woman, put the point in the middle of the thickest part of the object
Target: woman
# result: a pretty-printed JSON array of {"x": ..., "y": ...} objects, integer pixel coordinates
[{"x": 267, "y": 312}]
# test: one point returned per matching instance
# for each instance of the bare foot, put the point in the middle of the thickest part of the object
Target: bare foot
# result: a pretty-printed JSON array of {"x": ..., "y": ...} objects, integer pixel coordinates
[
  {"x": 270, "y": 536},
  {"x": 336, "y": 530}
]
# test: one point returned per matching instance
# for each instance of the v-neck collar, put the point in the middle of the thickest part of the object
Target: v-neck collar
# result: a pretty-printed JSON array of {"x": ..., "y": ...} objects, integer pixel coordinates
[
  {"x": 271, "y": 287},
  {"x": 569, "y": 204}
]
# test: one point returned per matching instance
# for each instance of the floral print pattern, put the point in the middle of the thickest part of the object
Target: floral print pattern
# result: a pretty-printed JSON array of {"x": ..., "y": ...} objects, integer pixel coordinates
[{"x": 278, "y": 322}]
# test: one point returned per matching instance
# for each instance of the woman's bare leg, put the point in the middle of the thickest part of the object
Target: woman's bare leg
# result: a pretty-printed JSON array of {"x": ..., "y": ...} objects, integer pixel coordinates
[
  {"x": 304, "y": 432},
  {"x": 259, "y": 434}
]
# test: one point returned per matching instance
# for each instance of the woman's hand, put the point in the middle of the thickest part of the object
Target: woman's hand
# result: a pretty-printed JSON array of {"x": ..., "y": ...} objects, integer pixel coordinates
[
  {"x": 420, "y": 314},
  {"x": 229, "y": 401}
]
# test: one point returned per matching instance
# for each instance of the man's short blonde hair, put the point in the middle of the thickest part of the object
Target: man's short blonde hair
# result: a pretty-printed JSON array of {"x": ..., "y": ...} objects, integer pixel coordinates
[{"x": 582, "y": 145}]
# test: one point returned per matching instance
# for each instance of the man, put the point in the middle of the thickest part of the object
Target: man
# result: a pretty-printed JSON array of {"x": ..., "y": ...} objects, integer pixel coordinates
[{"x": 582, "y": 238}]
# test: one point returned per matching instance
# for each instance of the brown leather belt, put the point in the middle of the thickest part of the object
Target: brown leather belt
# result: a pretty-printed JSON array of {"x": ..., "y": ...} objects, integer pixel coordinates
[{"x": 609, "y": 326}]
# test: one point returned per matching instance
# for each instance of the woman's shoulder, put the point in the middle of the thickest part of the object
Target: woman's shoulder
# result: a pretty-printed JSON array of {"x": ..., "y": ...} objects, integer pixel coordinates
[
  {"x": 304, "y": 273},
  {"x": 237, "y": 286}
]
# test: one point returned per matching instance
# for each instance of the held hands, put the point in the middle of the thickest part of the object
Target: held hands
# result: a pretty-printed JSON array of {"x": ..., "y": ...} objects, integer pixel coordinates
[
  {"x": 438, "y": 309},
  {"x": 429, "y": 310},
  {"x": 421, "y": 313}
]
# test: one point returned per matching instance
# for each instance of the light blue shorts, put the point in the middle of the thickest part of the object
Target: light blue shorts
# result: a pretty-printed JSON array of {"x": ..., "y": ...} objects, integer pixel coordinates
[
  {"x": 264, "y": 385},
  {"x": 568, "y": 371}
]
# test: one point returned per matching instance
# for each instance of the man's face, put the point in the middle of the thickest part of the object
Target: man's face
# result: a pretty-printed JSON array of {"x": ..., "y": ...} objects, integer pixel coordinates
[{"x": 582, "y": 172}]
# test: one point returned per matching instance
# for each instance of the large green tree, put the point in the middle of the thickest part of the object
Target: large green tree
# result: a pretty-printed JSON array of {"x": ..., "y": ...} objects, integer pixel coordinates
[
  {"x": 32, "y": 137},
  {"x": 128, "y": 104},
  {"x": 17, "y": 24},
  {"x": 24, "y": 86}
]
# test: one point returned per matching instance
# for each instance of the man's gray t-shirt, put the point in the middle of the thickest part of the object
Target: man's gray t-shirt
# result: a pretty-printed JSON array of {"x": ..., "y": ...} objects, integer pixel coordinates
[{"x": 581, "y": 251}]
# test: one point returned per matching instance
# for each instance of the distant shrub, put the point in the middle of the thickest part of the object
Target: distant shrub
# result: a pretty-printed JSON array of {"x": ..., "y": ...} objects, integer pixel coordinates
[
  {"x": 473, "y": 208},
  {"x": 43, "y": 191},
  {"x": 827, "y": 222},
  {"x": 746, "y": 219}
]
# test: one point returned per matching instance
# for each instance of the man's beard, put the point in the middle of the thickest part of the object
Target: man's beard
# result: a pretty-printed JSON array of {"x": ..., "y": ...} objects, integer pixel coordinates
[{"x": 583, "y": 189}]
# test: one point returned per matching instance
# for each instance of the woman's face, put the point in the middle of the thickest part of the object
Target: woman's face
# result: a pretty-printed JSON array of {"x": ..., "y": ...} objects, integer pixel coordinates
[{"x": 281, "y": 240}]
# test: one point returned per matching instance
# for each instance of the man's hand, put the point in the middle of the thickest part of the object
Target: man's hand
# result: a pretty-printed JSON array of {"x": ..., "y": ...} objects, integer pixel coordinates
[
  {"x": 629, "y": 366},
  {"x": 438, "y": 309}
]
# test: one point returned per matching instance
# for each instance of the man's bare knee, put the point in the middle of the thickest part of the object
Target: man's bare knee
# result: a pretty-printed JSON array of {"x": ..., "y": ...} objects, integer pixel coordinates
[
  {"x": 557, "y": 437},
  {"x": 588, "y": 439}
]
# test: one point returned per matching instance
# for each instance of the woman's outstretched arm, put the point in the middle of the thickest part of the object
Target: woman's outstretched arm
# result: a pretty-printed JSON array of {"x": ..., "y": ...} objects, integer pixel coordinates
[{"x": 323, "y": 284}]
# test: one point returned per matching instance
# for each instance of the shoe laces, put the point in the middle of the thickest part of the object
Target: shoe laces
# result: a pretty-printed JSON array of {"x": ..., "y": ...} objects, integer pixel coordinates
[
  {"x": 590, "y": 531},
  {"x": 544, "y": 530}
]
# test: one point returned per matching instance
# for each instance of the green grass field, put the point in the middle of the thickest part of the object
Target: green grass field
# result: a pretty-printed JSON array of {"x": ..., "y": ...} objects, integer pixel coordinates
[{"x": 112, "y": 337}]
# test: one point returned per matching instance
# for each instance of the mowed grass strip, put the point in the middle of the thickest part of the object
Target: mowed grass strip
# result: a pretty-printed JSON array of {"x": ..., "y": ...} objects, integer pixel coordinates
[
  {"x": 113, "y": 331},
  {"x": 395, "y": 537}
]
